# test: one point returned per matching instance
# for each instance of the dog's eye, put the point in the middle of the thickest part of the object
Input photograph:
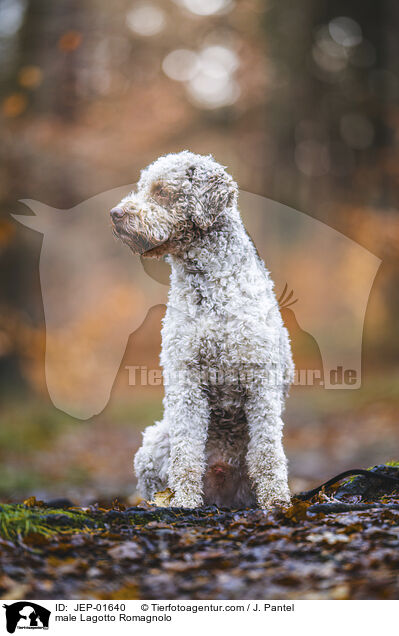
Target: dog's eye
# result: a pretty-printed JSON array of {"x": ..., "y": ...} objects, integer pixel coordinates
[
  {"x": 190, "y": 173},
  {"x": 160, "y": 192}
]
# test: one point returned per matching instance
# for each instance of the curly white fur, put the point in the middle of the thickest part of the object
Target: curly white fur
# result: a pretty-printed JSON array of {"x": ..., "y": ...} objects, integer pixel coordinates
[{"x": 225, "y": 351}]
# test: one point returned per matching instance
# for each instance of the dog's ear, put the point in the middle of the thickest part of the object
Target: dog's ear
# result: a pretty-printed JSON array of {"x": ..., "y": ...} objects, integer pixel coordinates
[{"x": 217, "y": 194}]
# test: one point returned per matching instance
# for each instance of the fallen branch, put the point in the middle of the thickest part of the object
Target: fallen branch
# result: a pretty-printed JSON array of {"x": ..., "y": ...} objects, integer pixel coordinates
[{"x": 308, "y": 494}]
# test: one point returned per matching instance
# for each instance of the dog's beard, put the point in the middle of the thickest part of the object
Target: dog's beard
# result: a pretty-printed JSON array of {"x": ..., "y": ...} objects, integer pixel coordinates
[{"x": 138, "y": 243}]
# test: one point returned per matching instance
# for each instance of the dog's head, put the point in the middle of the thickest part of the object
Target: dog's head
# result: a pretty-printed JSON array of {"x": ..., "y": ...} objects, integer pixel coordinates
[{"x": 178, "y": 196}]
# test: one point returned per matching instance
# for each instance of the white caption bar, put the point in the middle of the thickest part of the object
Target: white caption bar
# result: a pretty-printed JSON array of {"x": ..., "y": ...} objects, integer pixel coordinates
[{"x": 181, "y": 617}]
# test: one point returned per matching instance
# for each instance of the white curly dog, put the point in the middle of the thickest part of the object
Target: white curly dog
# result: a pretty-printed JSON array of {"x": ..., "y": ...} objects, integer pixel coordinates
[{"x": 225, "y": 352}]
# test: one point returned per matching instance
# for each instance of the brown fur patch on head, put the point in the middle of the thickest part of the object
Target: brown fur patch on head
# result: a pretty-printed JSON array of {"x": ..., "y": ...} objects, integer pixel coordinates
[{"x": 161, "y": 193}]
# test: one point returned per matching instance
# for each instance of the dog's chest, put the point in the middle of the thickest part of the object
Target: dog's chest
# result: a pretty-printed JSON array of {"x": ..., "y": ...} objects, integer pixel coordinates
[{"x": 220, "y": 326}]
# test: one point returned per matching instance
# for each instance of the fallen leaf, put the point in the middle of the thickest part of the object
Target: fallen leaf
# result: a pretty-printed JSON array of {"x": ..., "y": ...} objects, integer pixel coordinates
[
  {"x": 163, "y": 498},
  {"x": 297, "y": 511},
  {"x": 329, "y": 537},
  {"x": 126, "y": 550},
  {"x": 31, "y": 502}
]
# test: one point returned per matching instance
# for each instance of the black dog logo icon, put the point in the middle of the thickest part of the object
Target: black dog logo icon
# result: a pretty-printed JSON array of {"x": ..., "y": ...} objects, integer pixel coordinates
[{"x": 26, "y": 615}]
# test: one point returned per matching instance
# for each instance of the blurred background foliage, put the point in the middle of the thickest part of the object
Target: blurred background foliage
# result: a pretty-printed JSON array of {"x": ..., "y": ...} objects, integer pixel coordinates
[{"x": 299, "y": 100}]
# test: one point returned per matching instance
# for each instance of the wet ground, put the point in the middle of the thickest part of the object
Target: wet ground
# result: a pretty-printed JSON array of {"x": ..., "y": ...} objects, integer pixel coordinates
[
  {"x": 323, "y": 549},
  {"x": 97, "y": 547}
]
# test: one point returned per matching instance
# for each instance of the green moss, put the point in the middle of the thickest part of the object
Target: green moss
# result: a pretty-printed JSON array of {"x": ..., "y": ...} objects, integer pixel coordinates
[
  {"x": 19, "y": 520},
  {"x": 34, "y": 521}
]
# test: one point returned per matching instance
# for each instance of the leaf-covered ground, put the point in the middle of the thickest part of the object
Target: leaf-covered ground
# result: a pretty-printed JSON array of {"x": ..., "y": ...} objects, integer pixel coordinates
[
  {"x": 303, "y": 551},
  {"x": 104, "y": 551}
]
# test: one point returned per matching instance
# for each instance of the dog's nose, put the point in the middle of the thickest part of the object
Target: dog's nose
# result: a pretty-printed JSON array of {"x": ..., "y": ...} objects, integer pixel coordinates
[{"x": 117, "y": 213}]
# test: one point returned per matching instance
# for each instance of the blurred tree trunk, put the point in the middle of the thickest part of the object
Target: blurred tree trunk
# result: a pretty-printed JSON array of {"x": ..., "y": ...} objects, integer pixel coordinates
[
  {"x": 305, "y": 96},
  {"x": 50, "y": 39},
  {"x": 47, "y": 46}
]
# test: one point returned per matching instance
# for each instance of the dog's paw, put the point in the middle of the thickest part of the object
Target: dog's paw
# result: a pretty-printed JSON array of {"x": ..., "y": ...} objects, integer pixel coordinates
[{"x": 277, "y": 495}]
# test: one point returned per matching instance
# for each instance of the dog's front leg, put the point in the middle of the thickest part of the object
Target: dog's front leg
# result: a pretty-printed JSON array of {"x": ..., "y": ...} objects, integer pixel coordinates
[
  {"x": 266, "y": 461},
  {"x": 188, "y": 416}
]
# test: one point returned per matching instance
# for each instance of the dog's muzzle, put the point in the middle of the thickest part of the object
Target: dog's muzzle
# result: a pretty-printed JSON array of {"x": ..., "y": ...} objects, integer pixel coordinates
[
  {"x": 136, "y": 241},
  {"x": 117, "y": 214}
]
